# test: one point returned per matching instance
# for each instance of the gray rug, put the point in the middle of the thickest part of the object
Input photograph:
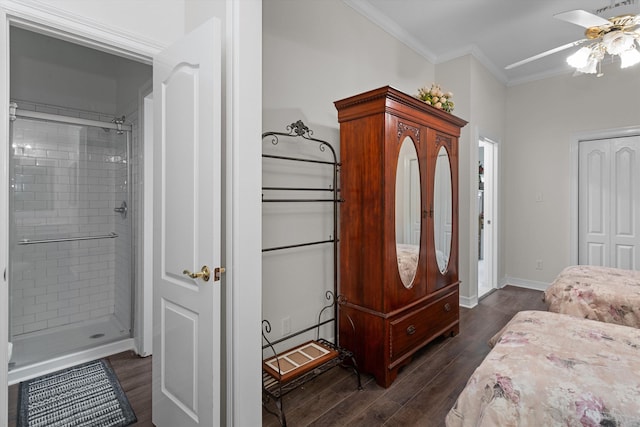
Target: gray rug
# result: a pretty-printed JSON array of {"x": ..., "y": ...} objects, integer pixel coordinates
[{"x": 84, "y": 395}]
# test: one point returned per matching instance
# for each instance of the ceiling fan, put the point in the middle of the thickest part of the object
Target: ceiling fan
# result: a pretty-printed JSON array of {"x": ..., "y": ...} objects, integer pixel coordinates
[{"x": 619, "y": 35}]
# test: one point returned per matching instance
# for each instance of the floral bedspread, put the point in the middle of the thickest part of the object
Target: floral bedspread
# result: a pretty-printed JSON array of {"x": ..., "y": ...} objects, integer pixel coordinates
[
  {"x": 407, "y": 262},
  {"x": 600, "y": 293},
  {"x": 550, "y": 369}
]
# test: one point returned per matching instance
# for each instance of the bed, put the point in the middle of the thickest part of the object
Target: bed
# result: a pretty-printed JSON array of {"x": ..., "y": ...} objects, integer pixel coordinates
[
  {"x": 407, "y": 261},
  {"x": 550, "y": 369},
  {"x": 607, "y": 294}
]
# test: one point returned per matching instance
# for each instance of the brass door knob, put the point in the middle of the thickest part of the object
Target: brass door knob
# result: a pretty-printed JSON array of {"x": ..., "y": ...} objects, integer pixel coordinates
[{"x": 204, "y": 274}]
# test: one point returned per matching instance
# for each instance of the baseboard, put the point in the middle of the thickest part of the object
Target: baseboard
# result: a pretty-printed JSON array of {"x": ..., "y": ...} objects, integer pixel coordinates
[
  {"x": 523, "y": 283},
  {"x": 468, "y": 302},
  {"x": 472, "y": 301}
]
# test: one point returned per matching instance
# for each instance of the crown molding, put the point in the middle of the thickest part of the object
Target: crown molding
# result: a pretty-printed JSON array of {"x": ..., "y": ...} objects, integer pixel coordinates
[{"x": 372, "y": 14}]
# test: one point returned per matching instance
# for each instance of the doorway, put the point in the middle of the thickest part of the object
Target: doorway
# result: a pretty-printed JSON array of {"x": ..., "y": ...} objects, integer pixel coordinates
[
  {"x": 487, "y": 208},
  {"x": 75, "y": 202}
]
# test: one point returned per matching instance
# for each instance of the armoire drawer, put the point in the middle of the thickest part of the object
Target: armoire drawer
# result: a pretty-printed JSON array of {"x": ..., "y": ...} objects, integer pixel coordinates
[{"x": 422, "y": 324}]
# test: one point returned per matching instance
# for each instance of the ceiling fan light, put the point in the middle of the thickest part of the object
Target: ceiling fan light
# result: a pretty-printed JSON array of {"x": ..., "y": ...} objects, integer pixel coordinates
[
  {"x": 629, "y": 58},
  {"x": 580, "y": 58},
  {"x": 616, "y": 42},
  {"x": 591, "y": 67}
]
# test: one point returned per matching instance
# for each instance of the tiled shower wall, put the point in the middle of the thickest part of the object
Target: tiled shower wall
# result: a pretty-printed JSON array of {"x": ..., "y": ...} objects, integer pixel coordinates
[{"x": 67, "y": 179}]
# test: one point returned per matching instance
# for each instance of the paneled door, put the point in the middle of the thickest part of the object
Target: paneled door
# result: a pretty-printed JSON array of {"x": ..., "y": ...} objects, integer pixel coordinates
[
  {"x": 187, "y": 183},
  {"x": 609, "y": 202}
]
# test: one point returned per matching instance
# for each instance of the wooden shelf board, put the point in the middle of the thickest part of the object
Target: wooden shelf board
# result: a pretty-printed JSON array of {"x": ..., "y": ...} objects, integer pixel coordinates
[{"x": 299, "y": 360}]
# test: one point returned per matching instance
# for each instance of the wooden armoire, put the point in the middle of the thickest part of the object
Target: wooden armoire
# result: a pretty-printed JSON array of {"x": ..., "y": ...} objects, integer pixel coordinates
[{"x": 398, "y": 228}]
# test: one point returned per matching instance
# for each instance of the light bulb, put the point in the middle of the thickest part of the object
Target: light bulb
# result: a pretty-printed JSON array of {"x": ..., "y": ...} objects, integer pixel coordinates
[
  {"x": 616, "y": 42},
  {"x": 629, "y": 57},
  {"x": 591, "y": 67},
  {"x": 580, "y": 58}
]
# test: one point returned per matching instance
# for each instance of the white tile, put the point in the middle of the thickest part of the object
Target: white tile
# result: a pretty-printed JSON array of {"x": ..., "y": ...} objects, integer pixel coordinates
[
  {"x": 32, "y": 327},
  {"x": 58, "y": 321},
  {"x": 46, "y": 315},
  {"x": 34, "y": 309},
  {"x": 44, "y": 299}
]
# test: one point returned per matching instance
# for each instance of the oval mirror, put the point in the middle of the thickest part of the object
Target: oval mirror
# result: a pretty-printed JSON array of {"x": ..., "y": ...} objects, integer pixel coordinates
[
  {"x": 408, "y": 211},
  {"x": 442, "y": 209}
]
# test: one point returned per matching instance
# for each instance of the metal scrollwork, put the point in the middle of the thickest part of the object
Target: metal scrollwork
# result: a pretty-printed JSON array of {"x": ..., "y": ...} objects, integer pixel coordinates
[
  {"x": 300, "y": 129},
  {"x": 329, "y": 296},
  {"x": 266, "y": 327},
  {"x": 274, "y": 139}
]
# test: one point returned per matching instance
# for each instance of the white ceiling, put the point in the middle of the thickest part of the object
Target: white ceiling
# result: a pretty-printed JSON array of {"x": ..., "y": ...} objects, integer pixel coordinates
[{"x": 496, "y": 32}]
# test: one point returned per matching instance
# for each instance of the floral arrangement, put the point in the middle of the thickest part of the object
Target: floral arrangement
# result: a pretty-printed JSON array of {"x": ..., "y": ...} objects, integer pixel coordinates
[{"x": 436, "y": 97}]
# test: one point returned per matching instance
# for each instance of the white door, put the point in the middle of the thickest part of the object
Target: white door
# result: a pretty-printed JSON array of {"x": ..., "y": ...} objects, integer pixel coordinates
[
  {"x": 187, "y": 185},
  {"x": 609, "y": 202}
]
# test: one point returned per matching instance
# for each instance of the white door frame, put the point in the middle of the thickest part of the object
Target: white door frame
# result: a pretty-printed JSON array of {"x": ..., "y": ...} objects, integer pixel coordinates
[
  {"x": 574, "y": 193},
  {"x": 243, "y": 126},
  {"x": 490, "y": 239},
  {"x": 477, "y": 135},
  {"x": 4, "y": 222}
]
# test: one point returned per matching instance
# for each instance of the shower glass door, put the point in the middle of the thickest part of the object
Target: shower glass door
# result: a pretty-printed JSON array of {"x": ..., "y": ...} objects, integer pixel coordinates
[{"x": 70, "y": 253}]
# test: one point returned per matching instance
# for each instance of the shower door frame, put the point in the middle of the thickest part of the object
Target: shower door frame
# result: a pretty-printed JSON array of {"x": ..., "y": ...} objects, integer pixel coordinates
[{"x": 57, "y": 118}]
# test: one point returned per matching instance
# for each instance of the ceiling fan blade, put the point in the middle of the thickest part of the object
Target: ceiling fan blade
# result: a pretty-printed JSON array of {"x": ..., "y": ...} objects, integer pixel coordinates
[
  {"x": 582, "y": 18},
  {"x": 545, "y": 53}
]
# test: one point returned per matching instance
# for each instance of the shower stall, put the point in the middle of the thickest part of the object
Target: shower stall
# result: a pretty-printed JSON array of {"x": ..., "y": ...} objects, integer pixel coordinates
[{"x": 71, "y": 238}]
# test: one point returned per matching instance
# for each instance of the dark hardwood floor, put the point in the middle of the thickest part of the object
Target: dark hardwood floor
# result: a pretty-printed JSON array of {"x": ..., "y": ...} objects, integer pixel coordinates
[
  {"x": 425, "y": 389},
  {"x": 422, "y": 394}
]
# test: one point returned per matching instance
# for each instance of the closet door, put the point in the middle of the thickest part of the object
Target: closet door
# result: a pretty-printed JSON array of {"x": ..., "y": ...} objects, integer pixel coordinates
[{"x": 609, "y": 202}]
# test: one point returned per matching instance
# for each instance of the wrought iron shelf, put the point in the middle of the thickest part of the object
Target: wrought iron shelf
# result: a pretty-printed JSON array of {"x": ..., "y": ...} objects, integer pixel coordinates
[{"x": 274, "y": 384}]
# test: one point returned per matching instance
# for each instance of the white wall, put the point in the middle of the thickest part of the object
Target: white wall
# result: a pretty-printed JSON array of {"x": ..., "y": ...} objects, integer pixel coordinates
[
  {"x": 480, "y": 99},
  {"x": 158, "y": 21},
  {"x": 543, "y": 118},
  {"x": 315, "y": 53},
  {"x": 46, "y": 70}
]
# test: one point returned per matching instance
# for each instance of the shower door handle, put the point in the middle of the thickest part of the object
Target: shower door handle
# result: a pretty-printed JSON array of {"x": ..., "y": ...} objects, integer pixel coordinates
[
  {"x": 204, "y": 274},
  {"x": 122, "y": 210}
]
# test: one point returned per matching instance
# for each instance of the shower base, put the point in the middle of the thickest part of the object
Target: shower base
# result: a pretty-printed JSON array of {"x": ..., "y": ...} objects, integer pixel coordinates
[{"x": 41, "y": 353}]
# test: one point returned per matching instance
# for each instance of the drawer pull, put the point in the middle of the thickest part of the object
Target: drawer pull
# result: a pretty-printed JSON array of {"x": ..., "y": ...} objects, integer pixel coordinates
[
  {"x": 411, "y": 330},
  {"x": 447, "y": 307}
]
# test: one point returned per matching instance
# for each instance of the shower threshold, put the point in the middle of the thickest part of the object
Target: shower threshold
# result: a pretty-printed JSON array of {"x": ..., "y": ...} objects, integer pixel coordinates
[{"x": 41, "y": 353}]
